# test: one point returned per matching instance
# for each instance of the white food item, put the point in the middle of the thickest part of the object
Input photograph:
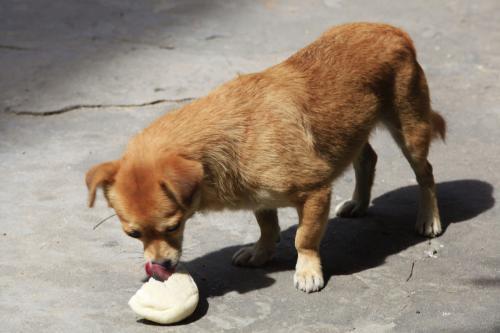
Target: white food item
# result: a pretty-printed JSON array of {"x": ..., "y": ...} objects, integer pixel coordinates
[{"x": 166, "y": 302}]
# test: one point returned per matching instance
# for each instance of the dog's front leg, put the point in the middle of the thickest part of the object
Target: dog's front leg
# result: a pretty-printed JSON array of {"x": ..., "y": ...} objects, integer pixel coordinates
[
  {"x": 263, "y": 250},
  {"x": 313, "y": 217}
]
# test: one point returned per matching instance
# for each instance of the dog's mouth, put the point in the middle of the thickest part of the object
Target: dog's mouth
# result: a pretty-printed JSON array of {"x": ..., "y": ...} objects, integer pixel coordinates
[{"x": 158, "y": 272}]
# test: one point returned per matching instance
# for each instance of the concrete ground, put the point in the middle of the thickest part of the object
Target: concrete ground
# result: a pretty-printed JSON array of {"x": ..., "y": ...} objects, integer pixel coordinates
[{"x": 78, "y": 78}]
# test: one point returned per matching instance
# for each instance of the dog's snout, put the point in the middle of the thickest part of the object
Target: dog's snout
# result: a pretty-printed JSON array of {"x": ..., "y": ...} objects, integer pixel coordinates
[{"x": 167, "y": 264}]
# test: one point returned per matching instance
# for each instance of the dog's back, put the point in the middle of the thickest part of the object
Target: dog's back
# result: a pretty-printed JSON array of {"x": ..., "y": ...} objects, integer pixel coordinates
[{"x": 354, "y": 74}]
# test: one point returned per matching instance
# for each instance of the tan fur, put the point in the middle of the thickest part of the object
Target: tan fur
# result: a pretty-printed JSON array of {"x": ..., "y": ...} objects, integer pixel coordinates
[{"x": 279, "y": 138}]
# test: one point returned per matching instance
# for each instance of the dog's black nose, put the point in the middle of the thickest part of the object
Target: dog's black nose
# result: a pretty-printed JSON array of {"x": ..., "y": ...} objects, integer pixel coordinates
[{"x": 167, "y": 264}]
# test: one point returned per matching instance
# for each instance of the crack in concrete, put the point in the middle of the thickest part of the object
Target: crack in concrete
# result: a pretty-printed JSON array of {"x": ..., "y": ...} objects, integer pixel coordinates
[
  {"x": 411, "y": 272},
  {"x": 14, "y": 47},
  {"x": 94, "y": 106}
]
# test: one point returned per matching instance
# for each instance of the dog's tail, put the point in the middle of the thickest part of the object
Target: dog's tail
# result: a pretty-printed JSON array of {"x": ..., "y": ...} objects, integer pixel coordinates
[{"x": 438, "y": 125}]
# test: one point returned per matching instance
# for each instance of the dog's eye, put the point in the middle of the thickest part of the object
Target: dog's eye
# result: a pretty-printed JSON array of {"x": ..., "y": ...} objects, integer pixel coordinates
[
  {"x": 134, "y": 234},
  {"x": 173, "y": 228}
]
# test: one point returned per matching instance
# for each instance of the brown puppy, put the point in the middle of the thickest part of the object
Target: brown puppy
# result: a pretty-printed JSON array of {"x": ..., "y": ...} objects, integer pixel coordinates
[{"x": 279, "y": 138}]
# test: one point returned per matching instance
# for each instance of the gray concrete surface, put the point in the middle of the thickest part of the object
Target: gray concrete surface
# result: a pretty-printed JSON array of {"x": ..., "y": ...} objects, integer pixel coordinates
[{"x": 101, "y": 70}]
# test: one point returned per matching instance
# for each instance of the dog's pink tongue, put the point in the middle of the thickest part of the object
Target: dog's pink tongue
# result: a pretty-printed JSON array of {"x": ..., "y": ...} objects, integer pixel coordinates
[{"x": 157, "y": 271}]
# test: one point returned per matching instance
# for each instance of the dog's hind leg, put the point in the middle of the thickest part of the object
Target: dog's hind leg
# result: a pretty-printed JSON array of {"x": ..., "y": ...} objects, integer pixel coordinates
[
  {"x": 260, "y": 252},
  {"x": 415, "y": 150},
  {"x": 412, "y": 125},
  {"x": 364, "y": 170}
]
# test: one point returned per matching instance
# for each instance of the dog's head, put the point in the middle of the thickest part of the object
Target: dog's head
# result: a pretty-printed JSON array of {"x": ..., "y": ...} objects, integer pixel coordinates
[{"x": 153, "y": 199}]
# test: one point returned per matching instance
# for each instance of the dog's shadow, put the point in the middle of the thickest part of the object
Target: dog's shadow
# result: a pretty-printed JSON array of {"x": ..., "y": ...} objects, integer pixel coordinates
[{"x": 349, "y": 245}]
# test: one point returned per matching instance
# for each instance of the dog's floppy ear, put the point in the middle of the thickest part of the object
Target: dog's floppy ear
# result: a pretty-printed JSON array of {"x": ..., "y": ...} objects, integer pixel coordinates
[
  {"x": 99, "y": 176},
  {"x": 182, "y": 178}
]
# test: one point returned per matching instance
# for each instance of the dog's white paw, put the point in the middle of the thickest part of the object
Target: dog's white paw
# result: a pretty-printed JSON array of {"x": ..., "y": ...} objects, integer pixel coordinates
[
  {"x": 308, "y": 280},
  {"x": 308, "y": 275},
  {"x": 429, "y": 227},
  {"x": 350, "y": 208},
  {"x": 252, "y": 256}
]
